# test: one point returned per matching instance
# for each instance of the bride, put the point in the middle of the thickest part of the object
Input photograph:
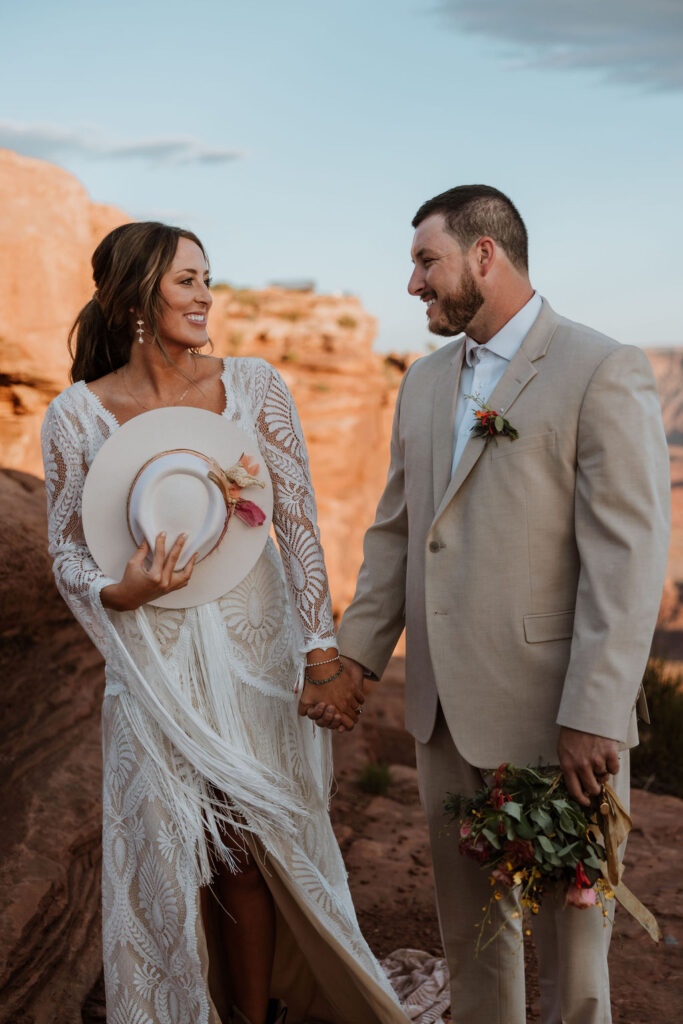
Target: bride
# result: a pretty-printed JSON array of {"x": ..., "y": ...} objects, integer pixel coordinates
[{"x": 224, "y": 892}]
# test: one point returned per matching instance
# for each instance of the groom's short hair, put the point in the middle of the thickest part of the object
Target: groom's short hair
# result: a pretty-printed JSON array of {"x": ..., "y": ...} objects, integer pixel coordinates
[{"x": 472, "y": 211}]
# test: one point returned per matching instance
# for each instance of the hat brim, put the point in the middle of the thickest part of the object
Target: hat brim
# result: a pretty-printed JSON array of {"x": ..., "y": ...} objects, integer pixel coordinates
[{"x": 115, "y": 467}]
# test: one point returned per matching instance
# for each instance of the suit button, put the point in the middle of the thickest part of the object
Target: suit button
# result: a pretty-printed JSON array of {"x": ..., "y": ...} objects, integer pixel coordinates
[{"x": 434, "y": 545}]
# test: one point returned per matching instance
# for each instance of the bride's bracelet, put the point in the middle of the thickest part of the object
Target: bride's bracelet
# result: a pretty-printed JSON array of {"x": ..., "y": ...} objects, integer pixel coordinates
[
  {"x": 320, "y": 682},
  {"x": 328, "y": 661}
]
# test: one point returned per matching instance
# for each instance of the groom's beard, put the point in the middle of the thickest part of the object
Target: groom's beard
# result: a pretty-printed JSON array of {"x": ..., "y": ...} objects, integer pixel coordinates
[{"x": 458, "y": 310}]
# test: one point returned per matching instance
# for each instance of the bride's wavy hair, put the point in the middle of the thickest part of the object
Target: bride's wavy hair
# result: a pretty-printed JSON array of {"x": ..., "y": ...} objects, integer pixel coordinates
[{"x": 127, "y": 265}]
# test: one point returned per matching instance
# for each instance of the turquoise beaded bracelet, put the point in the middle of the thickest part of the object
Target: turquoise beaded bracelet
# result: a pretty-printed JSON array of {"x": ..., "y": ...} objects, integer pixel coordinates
[{"x": 320, "y": 682}]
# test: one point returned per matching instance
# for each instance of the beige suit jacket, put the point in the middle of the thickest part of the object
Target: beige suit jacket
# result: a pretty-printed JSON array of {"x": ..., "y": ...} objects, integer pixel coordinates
[{"x": 529, "y": 583}]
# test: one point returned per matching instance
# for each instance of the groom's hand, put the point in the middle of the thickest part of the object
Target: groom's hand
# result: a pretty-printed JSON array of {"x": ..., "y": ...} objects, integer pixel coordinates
[
  {"x": 335, "y": 705},
  {"x": 586, "y": 761}
]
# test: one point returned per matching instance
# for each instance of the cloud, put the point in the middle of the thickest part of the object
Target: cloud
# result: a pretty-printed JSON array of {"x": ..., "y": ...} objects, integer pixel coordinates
[
  {"x": 639, "y": 42},
  {"x": 50, "y": 143}
]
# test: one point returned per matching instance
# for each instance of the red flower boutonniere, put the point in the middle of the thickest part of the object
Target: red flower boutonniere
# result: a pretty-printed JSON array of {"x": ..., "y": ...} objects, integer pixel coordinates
[{"x": 491, "y": 424}]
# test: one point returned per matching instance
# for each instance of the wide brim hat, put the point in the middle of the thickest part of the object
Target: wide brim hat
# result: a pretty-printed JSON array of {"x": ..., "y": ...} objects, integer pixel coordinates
[{"x": 180, "y": 470}]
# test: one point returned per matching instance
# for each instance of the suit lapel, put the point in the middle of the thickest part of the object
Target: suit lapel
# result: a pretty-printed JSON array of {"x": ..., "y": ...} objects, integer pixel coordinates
[
  {"x": 516, "y": 377},
  {"x": 443, "y": 416}
]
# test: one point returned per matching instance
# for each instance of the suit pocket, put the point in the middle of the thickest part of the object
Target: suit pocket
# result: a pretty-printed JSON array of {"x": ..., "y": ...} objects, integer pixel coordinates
[
  {"x": 548, "y": 626},
  {"x": 533, "y": 443}
]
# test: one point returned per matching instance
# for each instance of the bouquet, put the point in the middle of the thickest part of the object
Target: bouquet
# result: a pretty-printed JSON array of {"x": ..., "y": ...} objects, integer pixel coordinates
[{"x": 532, "y": 835}]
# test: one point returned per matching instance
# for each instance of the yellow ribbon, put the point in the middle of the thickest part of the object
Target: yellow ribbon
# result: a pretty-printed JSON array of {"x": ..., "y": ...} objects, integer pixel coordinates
[{"x": 614, "y": 826}]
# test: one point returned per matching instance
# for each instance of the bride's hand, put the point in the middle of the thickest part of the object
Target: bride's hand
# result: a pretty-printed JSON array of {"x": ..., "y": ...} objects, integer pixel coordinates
[
  {"x": 142, "y": 584},
  {"x": 326, "y": 716},
  {"x": 336, "y": 704}
]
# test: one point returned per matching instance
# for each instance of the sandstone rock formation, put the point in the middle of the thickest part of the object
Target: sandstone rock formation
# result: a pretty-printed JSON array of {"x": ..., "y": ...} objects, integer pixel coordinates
[
  {"x": 667, "y": 364},
  {"x": 50, "y": 778},
  {"x": 48, "y": 230}
]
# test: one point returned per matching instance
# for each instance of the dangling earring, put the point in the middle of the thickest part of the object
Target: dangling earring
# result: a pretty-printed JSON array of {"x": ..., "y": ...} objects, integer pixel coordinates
[{"x": 140, "y": 331}]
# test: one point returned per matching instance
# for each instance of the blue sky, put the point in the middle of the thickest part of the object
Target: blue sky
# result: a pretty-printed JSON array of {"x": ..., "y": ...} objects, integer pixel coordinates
[{"x": 299, "y": 139}]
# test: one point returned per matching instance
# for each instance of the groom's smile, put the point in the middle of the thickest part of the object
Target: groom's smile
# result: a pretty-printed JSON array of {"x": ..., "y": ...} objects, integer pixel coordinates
[{"x": 443, "y": 279}]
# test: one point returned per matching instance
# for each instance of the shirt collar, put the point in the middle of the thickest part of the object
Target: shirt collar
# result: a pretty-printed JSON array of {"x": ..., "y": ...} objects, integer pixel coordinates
[{"x": 511, "y": 335}]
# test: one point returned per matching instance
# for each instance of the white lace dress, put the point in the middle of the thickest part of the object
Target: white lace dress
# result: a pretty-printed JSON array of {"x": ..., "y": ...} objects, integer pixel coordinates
[{"x": 201, "y": 702}]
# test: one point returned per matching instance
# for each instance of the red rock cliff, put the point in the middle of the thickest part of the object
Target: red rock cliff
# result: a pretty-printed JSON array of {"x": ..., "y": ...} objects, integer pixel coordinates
[{"x": 48, "y": 230}]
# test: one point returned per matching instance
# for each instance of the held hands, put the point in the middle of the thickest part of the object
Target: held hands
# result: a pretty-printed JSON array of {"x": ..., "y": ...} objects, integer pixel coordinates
[
  {"x": 337, "y": 704},
  {"x": 586, "y": 761},
  {"x": 142, "y": 584}
]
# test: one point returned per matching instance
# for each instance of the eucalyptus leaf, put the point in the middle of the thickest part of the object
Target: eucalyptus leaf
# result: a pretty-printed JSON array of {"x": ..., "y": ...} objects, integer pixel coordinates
[
  {"x": 524, "y": 829},
  {"x": 591, "y": 860},
  {"x": 567, "y": 824},
  {"x": 545, "y": 844},
  {"x": 492, "y": 838},
  {"x": 499, "y": 423},
  {"x": 560, "y": 804},
  {"x": 542, "y": 819},
  {"x": 512, "y": 809},
  {"x": 566, "y": 849}
]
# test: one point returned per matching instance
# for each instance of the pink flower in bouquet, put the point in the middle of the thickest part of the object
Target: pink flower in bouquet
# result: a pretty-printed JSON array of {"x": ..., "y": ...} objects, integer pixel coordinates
[
  {"x": 479, "y": 849},
  {"x": 501, "y": 875},
  {"x": 580, "y": 898},
  {"x": 581, "y": 894}
]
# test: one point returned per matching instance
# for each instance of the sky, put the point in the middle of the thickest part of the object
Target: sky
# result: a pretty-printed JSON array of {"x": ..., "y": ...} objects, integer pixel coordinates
[{"x": 299, "y": 139}]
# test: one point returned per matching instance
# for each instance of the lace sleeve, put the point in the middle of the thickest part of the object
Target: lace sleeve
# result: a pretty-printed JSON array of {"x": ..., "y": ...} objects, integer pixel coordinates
[
  {"x": 294, "y": 512},
  {"x": 78, "y": 578}
]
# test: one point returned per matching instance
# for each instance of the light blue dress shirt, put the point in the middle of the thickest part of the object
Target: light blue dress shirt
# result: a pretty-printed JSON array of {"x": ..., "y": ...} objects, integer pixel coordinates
[{"x": 482, "y": 368}]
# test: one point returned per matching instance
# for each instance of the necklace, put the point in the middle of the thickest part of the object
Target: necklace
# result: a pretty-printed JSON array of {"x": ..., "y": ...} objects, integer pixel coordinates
[{"x": 146, "y": 408}]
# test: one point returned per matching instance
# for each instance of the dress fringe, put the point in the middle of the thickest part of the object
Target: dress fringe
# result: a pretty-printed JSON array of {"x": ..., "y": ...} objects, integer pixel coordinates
[{"x": 190, "y": 718}]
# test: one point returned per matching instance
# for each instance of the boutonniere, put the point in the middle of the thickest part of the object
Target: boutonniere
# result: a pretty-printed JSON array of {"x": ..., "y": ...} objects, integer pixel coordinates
[{"x": 490, "y": 424}]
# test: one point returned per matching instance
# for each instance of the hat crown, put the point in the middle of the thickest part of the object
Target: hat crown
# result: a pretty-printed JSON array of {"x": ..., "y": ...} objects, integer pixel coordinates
[{"x": 172, "y": 493}]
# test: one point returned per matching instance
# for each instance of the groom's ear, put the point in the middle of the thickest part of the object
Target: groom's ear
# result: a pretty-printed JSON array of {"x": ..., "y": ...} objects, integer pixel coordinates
[{"x": 484, "y": 255}]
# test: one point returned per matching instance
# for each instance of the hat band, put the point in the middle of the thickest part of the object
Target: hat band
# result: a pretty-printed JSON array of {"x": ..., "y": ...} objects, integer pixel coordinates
[{"x": 205, "y": 536}]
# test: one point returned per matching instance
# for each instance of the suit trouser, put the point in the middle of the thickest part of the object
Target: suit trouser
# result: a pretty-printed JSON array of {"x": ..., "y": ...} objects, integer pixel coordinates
[{"x": 571, "y": 944}]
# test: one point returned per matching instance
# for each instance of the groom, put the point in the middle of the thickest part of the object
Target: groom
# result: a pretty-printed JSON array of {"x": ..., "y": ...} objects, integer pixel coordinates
[{"x": 527, "y": 573}]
